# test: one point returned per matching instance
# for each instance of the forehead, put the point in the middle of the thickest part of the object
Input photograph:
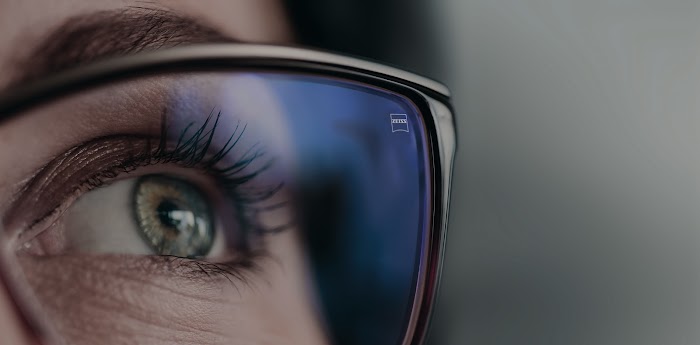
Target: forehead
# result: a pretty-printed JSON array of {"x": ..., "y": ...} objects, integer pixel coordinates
[{"x": 26, "y": 25}]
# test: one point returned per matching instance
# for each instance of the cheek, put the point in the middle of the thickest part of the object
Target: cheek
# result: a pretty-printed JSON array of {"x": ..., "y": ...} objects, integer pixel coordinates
[
  {"x": 117, "y": 299},
  {"x": 93, "y": 299}
]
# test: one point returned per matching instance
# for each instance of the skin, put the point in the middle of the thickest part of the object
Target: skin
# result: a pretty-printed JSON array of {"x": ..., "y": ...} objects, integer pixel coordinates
[{"x": 115, "y": 298}]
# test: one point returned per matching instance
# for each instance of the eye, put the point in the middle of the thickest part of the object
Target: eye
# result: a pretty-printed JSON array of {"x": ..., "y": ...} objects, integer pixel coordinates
[
  {"x": 184, "y": 199},
  {"x": 173, "y": 216},
  {"x": 153, "y": 214}
]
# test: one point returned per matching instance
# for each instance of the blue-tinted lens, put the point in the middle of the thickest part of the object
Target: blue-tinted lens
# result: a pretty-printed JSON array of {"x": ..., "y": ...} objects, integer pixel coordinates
[
  {"x": 364, "y": 182},
  {"x": 250, "y": 206}
]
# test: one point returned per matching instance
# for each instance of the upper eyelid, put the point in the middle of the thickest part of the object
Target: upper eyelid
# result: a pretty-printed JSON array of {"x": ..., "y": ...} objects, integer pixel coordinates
[
  {"x": 37, "y": 199},
  {"x": 135, "y": 107},
  {"x": 107, "y": 157}
]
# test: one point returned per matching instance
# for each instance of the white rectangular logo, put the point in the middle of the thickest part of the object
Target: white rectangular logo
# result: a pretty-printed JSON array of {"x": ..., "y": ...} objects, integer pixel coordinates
[{"x": 399, "y": 123}]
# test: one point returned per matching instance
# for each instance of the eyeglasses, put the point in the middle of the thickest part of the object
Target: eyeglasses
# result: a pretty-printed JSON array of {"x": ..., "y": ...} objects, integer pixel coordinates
[{"x": 225, "y": 193}]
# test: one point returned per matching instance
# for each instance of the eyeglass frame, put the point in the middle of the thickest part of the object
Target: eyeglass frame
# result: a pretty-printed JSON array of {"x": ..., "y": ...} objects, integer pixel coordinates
[{"x": 431, "y": 98}]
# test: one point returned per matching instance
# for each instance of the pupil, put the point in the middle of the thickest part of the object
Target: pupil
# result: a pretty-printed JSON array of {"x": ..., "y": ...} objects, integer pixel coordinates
[
  {"x": 166, "y": 211},
  {"x": 173, "y": 216}
]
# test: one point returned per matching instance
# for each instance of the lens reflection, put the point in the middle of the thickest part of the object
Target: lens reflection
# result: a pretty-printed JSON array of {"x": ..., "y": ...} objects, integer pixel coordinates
[{"x": 306, "y": 196}]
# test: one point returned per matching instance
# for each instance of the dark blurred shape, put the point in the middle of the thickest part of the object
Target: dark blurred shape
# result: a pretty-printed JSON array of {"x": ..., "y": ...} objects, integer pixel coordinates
[
  {"x": 397, "y": 32},
  {"x": 574, "y": 204}
]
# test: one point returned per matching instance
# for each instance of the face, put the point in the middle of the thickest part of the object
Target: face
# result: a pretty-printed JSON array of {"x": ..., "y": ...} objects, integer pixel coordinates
[
  {"x": 236, "y": 201},
  {"x": 88, "y": 266}
]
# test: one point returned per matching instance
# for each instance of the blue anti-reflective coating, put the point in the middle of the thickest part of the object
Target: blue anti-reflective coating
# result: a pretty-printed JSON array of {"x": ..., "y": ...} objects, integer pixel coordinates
[
  {"x": 354, "y": 164},
  {"x": 364, "y": 179}
]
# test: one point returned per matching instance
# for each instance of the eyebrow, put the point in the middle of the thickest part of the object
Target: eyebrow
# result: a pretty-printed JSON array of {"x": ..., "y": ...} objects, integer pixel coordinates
[{"x": 89, "y": 37}]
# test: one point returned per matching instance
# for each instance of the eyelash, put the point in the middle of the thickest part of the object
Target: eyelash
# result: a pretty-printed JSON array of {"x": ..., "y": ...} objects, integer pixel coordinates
[{"x": 193, "y": 150}]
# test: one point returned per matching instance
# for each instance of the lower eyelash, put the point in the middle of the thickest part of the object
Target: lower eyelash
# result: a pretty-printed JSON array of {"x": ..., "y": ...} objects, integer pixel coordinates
[{"x": 236, "y": 272}]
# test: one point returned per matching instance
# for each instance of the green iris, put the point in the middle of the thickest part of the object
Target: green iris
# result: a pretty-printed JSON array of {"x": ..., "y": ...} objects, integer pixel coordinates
[{"x": 173, "y": 216}]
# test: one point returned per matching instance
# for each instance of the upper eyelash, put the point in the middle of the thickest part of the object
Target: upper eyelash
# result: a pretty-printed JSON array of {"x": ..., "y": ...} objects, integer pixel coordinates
[
  {"x": 190, "y": 152},
  {"x": 194, "y": 152}
]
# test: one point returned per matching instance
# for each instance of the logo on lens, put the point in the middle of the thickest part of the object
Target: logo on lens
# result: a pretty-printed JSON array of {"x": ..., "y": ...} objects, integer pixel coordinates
[{"x": 399, "y": 123}]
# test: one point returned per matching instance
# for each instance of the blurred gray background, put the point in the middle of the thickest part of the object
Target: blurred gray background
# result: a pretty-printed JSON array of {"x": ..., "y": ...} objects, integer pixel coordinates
[{"x": 576, "y": 204}]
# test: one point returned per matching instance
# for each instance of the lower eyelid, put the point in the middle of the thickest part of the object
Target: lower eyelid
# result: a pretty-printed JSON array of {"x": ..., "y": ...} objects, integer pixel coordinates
[
  {"x": 121, "y": 283},
  {"x": 145, "y": 268},
  {"x": 202, "y": 271},
  {"x": 239, "y": 274}
]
